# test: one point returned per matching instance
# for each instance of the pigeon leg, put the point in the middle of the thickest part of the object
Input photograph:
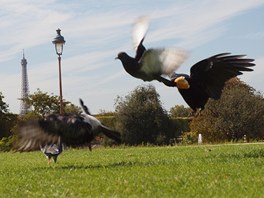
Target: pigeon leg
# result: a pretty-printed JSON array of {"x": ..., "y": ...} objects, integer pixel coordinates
[
  {"x": 55, "y": 158},
  {"x": 90, "y": 147},
  {"x": 166, "y": 81},
  {"x": 49, "y": 160}
]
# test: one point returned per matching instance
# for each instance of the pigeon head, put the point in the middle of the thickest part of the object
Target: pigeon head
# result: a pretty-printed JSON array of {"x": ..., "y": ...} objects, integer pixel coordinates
[
  {"x": 122, "y": 56},
  {"x": 127, "y": 61}
]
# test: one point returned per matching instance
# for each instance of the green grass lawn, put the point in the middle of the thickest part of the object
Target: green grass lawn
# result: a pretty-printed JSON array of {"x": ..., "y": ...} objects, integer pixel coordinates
[{"x": 181, "y": 171}]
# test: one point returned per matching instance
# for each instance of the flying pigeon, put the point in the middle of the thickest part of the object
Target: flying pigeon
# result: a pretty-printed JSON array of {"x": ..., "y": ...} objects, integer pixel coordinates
[
  {"x": 52, "y": 151},
  {"x": 207, "y": 78},
  {"x": 70, "y": 129},
  {"x": 150, "y": 64}
]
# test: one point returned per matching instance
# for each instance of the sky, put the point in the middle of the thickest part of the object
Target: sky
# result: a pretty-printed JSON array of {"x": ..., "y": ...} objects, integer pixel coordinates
[{"x": 95, "y": 31}]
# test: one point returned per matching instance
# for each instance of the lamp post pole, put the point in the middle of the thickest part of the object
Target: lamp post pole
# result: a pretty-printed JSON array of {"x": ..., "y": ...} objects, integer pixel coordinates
[
  {"x": 59, "y": 42},
  {"x": 60, "y": 82}
]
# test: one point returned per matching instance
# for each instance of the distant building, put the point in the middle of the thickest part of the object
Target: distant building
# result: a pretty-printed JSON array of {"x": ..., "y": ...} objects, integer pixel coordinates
[{"x": 24, "y": 108}]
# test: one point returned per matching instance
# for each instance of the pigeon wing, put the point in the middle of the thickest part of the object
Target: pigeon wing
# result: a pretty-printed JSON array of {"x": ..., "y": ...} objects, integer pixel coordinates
[
  {"x": 213, "y": 72},
  {"x": 30, "y": 136},
  {"x": 138, "y": 35},
  {"x": 84, "y": 107},
  {"x": 163, "y": 61},
  {"x": 72, "y": 130},
  {"x": 139, "y": 30}
]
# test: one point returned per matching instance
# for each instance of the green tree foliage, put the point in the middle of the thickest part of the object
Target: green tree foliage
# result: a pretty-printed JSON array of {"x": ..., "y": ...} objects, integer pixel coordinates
[
  {"x": 180, "y": 111},
  {"x": 240, "y": 111},
  {"x": 43, "y": 103},
  {"x": 6, "y": 143},
  {"x": 6, "y": 119},
  {"x": 141, "y": 117},
  {"x": 3, "y": 105}
]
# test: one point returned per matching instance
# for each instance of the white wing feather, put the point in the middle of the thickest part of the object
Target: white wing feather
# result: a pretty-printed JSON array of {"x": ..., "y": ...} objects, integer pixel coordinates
[
  {"x": 139, "y": 31},
  {"x": 162, "y": 61}
]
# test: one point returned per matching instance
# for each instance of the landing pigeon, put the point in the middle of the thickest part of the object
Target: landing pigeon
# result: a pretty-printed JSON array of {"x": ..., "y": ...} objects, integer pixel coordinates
[
  {"x": 207, "y": 78},
  {"x": 71, "y": 129}
]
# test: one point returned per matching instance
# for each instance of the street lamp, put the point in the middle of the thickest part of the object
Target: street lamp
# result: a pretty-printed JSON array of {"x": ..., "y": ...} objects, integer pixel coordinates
[{"x": 59, "y": 42}]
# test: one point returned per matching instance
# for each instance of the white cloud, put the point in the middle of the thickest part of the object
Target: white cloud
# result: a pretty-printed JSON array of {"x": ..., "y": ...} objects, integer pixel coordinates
[
  {"x": 26, "y": 23},
  {"x": 255, "y": 35},
  {"x": 197, "y": 22}
]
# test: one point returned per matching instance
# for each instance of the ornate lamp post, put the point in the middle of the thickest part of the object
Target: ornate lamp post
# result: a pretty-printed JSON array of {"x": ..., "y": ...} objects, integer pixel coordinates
[{"x": 59, "y": 42}]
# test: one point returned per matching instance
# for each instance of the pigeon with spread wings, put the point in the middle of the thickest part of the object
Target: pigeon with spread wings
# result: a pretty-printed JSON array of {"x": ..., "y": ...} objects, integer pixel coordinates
[
  {"x": 207, "y": 78},
  {"x": 71, "y": 129},
  {"x": 150, "y": 64}
]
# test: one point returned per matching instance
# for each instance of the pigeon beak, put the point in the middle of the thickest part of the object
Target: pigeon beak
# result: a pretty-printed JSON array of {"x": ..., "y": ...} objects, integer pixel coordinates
[{"x": 116, "y": 58}]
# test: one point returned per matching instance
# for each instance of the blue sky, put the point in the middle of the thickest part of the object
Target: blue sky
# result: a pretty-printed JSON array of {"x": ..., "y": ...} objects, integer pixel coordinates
[{"x": 95, "y": 31}]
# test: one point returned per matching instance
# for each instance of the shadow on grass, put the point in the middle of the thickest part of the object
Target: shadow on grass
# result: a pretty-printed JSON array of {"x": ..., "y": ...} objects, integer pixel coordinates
[
  {"x": 257, "y": 153},
  {"x": 99, "y": 166},
  {"x": 96, "y": 166}
]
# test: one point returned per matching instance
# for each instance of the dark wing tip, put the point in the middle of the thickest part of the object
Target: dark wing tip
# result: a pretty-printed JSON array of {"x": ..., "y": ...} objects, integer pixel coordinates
[
  {"x": 220, "y": 55},
  {"x": 81, "y": 101},
  {"x": 84, "y": 107}
]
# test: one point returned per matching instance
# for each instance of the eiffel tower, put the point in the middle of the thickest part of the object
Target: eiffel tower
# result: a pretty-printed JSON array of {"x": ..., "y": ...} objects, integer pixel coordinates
[{"x": 24, "y": 108}]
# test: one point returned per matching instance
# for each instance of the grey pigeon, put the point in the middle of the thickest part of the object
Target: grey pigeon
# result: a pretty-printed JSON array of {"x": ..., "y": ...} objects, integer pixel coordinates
[
  {"x": 52, "y": 151},
  {"x": 150, "y": 64}
]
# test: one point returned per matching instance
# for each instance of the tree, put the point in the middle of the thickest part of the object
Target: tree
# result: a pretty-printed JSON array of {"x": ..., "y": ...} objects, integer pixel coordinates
[
  {"x": 43, "y": 103},
  {"x": 3, "y": 105},
  {"x": 240, "y": 111},
  {"x": 141, "y": 117},
  {"x": 180, "y": 111},
  {"x": 6, "y": 119}
]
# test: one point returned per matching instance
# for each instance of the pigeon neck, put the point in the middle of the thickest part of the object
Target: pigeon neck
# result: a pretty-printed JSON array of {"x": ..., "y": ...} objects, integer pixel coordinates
[{"x": 129, "y": 63}]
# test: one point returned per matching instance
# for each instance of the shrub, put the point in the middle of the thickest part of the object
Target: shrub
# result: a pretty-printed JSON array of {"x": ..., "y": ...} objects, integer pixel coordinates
[
  {"x": 141, "y": 117},
  {"x": 6, "y": 143}
]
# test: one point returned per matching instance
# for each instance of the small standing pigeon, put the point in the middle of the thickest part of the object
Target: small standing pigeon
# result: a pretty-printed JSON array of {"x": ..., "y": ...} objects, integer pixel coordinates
[
  {"x": 151, "y": 64},
  {"x": 52, "y": 151},
  {"x": 70, "y": 129},
  {"x": 207, "y": 78}
]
